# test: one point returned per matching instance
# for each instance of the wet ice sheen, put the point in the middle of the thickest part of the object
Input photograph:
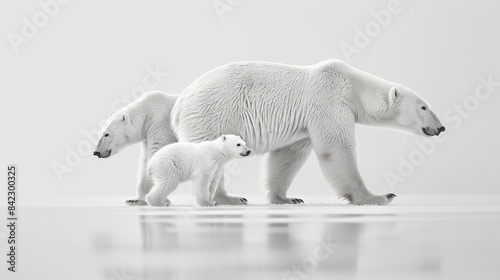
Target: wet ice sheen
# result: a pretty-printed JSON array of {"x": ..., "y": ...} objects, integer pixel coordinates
[{"x": 414, "y": 238}]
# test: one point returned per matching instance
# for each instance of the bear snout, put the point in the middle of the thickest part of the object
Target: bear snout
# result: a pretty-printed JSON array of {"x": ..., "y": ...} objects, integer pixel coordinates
[
  {"x": 244, "y": 154},
  {"x": 102, "y": 155},
  {"x": 433, "y": 132},
  {"x": 440, "y": 129}
]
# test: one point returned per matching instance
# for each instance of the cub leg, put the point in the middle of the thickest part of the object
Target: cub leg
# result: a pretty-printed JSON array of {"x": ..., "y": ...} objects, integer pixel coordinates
[{"x": 201, "y": 187}]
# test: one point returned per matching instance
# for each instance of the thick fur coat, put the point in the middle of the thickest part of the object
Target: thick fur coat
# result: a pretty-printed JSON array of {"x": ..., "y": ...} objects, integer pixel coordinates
[
  {"x": 145, "y": 121},
  {"x": 287, "y": 111},
  {"x": 200, "y": 162}
]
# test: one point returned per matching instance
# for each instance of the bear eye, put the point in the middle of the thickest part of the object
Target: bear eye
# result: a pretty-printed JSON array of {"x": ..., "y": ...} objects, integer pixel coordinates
[
  {"x": 424, "y": 108},
  {"x": 238, "y": 144},
  {"x": 106, "y": 134}
]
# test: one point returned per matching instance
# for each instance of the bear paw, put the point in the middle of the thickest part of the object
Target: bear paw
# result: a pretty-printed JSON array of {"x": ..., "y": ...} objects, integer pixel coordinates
[
  {"x": 231, "y": 200},
  {"x": 136, "y": 202},
  {"x": 278, "y": 200},
  {"x": 208, "y": 203},
  {"x": 159, "y": 203},
  {"x": 370, "y": 200}
]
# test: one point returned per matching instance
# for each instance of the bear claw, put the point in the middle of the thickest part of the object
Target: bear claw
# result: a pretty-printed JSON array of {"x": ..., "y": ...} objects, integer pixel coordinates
[
  {"x": 391, "y": 196},
  {"x": 135, "y": 202},
  {"x": 279, "y": 200},
  {"x": 348, "y": 197},
  {"x": 231, "y": 200},
  {"x": 370, "y": 200}
]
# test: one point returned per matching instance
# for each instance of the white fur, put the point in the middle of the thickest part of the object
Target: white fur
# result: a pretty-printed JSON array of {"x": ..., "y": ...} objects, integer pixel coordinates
[
  {"x": 202, "y": 162},
  {"x": 146, "y": 120},
  {"x": 287, "y": 111}
]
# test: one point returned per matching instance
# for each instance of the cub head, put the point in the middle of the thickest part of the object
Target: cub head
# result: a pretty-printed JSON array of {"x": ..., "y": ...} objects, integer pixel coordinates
[
  {"x": 406, "y": 110},
  {"x": 234, "y": 146},
  {"x": 116, "y": 133}
]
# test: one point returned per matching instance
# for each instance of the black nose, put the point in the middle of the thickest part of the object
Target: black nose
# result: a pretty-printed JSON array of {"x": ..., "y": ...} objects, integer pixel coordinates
[
  {"x": 248, "y": 152},
  {"x": 441, "y": 129},
  {"x": 96, "y": 153}
]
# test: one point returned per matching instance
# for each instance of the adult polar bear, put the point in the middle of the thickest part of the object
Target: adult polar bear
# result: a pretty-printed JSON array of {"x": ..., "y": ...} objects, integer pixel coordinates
[
  {"x": 146, "y": 120},
  {"x": 286, "y": 111}
]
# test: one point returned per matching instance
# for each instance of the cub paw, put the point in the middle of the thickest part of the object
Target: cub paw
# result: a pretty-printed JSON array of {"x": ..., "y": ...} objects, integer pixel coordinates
[
  {"x": 231, "y": 200},
  {"x": 158, "y": 203},
  {"x": 208, "y": 203}
]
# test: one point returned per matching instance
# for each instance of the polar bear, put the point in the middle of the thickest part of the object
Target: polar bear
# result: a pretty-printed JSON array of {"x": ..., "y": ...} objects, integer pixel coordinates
[
  {"x": 146, "y": 120},
  {"x": 202, "y": 162},
  {"x": 286, "y": 111}
]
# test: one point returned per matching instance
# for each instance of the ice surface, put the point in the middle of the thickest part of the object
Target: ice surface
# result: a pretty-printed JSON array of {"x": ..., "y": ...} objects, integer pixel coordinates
[{"x": 416, "y": 237}]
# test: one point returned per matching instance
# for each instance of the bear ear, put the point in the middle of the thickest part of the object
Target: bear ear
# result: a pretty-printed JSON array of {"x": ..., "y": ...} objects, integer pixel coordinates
[{"x": 393, "y": 96}]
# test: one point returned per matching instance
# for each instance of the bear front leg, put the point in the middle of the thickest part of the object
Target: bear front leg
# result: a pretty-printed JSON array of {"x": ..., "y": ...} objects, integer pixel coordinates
[
  {"x": 223, "y": 198},
  {"x": 144, "y": 183},
  {"x": 333, "y": 137},
  {"x": 201, "y": 188},
  {"x": 339, "y": 166},
  {"x": 281, "y": 166},
  {"x": 215, "y": 183}
]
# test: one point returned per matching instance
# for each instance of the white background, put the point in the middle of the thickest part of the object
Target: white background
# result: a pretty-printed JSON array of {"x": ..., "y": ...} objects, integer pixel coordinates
[{"x": 68, "y": 77}]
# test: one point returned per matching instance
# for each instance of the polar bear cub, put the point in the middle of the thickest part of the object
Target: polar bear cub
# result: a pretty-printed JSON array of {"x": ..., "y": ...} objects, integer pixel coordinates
[{"x": 201, "y": 162}]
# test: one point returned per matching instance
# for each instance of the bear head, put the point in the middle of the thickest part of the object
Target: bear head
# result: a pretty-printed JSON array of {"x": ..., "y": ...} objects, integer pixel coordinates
[
  {"x": 403, "y": 109},
  {"x": 412, "y": 113},
  {"x": 234, "y": 146},
  {"x": 118, "y": 131}
]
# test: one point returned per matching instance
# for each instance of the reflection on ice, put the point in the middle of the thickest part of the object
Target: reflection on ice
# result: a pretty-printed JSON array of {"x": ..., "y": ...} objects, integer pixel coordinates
[
  {"x": 240, "y": 244},
  {"x": 413, "y": 240}
]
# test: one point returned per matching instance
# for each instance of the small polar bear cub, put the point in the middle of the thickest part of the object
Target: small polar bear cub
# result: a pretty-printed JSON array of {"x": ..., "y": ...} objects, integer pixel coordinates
[{"x": 201, "y": 162}]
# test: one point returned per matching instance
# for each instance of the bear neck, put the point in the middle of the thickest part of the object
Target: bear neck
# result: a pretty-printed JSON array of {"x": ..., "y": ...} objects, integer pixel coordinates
[
  {"x": 153, "y": 122},
  {"x": 138, "y": 120},
  {"x": 367, "y": 97},
  {"x": 371, "y": 108},
  {"x": 377, "y": 118},
  {"x": 148, "y": 127},
  {"x": 220, "y": 152}
]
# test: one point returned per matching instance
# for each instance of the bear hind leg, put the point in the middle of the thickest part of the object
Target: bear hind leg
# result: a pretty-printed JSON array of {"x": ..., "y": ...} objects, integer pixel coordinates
[
  {"x": 162, "y": 188},
  {"x": 281, "y": 167}
]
